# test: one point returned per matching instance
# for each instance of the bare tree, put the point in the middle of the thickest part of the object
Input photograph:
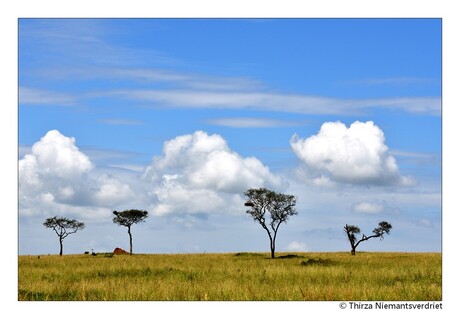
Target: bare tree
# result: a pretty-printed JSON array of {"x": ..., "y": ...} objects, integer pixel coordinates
[
  {"x": 280, "y": 207},
  {"x": 127, "y": 218},
  {"x": 63, "y": 227},
  {"x": 351, "y": 230}
]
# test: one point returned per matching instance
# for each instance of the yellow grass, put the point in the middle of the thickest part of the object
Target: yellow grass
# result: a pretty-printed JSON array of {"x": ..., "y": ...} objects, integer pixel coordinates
[{"x": 243, "y": 276}]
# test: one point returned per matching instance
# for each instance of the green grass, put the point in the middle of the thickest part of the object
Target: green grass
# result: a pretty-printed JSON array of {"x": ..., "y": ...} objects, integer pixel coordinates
[{"x": 241, "y": 276}]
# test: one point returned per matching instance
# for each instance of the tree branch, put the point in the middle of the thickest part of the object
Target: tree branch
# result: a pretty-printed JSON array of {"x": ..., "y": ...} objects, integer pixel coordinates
[{"x": 364, "y": 238}]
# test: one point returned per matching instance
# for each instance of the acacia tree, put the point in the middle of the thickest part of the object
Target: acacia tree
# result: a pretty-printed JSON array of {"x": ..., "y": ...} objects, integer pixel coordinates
[
  {"x": 127, "y": 218},
  {"x": 63, "y": 227},
  {"x": 280, "y": 207},
  {"x": 351, "y": 230}
]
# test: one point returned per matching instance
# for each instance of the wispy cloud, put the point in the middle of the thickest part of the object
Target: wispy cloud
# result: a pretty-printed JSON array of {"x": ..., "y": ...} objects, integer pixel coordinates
[
  {"x": 425, "y": 223},
  {"x": 417, "y": 105},
  {"x": 42, "y": 97},
  {"x": 202, "y": 92},
  {"x": 70, "y": 42},
  {"x": 415, "y": 155},
  {"x": 297, "y": 246},
  {"x": 418, "y": 158},
  {"x": 266, "y": 101},
  {"x": 159, "y": 77},
  {"x": 247, "y": 122},
  {"x": 82, "y": 49},
  {"x": 180, "y": 79},
  {"x": 393, "y": 81},
  {"x": 129, "y": 167},
  {"x": 107, "y": 156},
  {"x": 367, "y": 208},
  {"x": 114, "y": 121}
]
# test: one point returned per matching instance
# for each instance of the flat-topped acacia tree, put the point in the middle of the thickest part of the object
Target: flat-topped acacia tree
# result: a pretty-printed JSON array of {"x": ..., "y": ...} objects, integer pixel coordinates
[
  {"x": 127, "y": 218},
  {"x": 351, "y": 230},
  {"x": 280, "y": 207},
  {"x": 63, "y": 227}
]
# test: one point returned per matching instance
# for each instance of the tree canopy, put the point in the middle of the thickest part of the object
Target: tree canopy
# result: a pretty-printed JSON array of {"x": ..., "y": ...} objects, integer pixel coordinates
[
  {"x": 127, "y": 218},
  {"x": 280, "y": 207},
  {"x": 352, "y": 230},
  {"x": 63, "y": 227}
]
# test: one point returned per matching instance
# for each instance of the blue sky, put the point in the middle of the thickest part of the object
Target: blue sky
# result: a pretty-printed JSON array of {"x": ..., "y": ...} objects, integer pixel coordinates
[{"x": 181, "y": 116}]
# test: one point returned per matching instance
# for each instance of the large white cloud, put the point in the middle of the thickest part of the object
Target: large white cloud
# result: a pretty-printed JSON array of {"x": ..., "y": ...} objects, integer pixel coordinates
[
  {"x": 56, "y": 177},
  {"x": 199, "y": 173},
  {"x": 354, "y": 155},
  {"x": 57, "y": 155}
]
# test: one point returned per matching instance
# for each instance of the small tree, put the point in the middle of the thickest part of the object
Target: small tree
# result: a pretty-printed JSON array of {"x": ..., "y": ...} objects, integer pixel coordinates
[
  {"x": 63, "y": 227},
  {"x": 351, "y": 230},
  {"x": 127, "y": 218},
  {"x": 279, "y": 206}
]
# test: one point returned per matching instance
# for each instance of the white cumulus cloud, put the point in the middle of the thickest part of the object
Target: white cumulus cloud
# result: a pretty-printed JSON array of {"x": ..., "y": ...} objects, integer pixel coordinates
[
  {"x": 56, "y": 177},
  {"x": 57, "y": 155},
  {"x": 354, "y": 155},
  {"x": 199, "y": 173}
]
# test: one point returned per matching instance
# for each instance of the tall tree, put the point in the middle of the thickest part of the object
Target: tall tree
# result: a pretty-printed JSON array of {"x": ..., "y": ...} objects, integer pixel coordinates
[
  {"x": 127, "y": 218},
  {"x": 63, "y": 227},
  {"x": 351, "y": 230},
  {"x": 279, "y": 206}
]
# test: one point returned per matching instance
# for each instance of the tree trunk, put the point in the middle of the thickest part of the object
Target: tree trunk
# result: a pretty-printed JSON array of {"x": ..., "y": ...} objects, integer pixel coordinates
[
  {"x": 130, "y": 241},
  {"x": 60, "y": 247},
  {"x": 272, "y": 241},
  {"x": 272, "y": 246},
  {"x": 353, "y": 251}
]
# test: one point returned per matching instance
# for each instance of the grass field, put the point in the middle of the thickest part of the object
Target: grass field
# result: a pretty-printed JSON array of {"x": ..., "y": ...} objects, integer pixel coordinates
[{"x": 240, "y": 276}]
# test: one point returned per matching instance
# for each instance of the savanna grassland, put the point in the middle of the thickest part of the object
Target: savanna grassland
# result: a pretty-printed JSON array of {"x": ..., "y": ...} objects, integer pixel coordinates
[{"x": 241, "y": 276}]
